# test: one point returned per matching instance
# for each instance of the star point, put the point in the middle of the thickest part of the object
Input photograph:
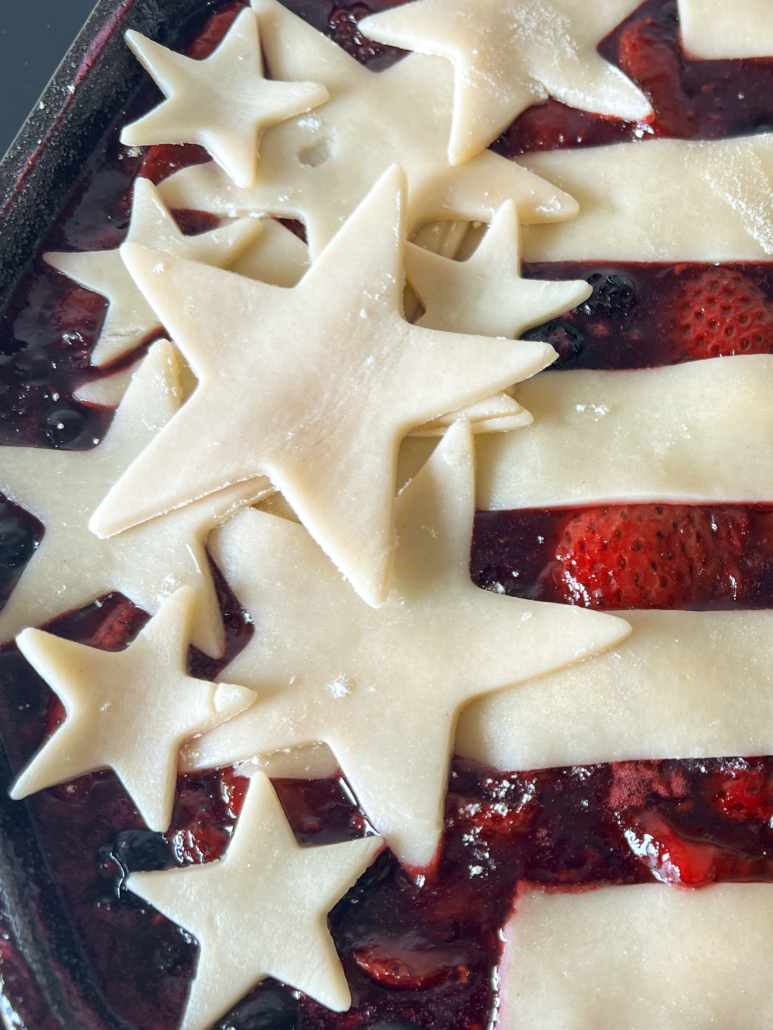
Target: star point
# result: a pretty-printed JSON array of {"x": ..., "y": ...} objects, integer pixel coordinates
[
  {"x": 130, "y": 319},
  {"x": 510, "y": 54},
  {"x": 129, "y": 710},
  {"x": 485, "y": 294},
  {"x": 261, "y": 910},
  {"x": 384, "y": 688},
  {"x": 261, "y": 351},
  {"x": 224, "y": 103}
]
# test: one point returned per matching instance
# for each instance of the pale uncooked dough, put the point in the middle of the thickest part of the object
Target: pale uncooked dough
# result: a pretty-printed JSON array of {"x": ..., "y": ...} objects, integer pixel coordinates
[
  {"x": 130, "y": 710},
  {"x": 718, "y": 30},
  {"x": 702, "y": 431},
  {"x": 320, "y": 166},
  {"x": 640, "y": 957},
  {"x": 510, "y": 54},
  {"x": 485, "y": 294},
  {"x": 661, "y": 200},
  {"x": 383, "y": 688},
  {"x": 223, "y": 103},
  {"x": 261, "y": 910},
  {"x": 683, "y": 685},
  {"x": 71, "y": 567},
  {"x": 261, "y": 354},
  {"x": 130, "y": 319}
]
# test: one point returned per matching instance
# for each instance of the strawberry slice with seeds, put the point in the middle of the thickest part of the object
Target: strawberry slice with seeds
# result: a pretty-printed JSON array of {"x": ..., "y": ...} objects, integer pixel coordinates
[{"x": 721, "y": 312}]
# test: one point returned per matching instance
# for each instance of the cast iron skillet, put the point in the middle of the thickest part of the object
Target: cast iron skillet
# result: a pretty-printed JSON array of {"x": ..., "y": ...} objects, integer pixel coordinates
[{"x": 97, "y": 79}]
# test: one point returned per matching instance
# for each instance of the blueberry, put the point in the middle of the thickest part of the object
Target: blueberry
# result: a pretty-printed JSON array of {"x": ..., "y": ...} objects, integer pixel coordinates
[
  {"x": 140, "y": 851},
  {"x": 63, "y": 428},
  {"x": 272, "y": 1008},
  {"x": 613, "y": 294},
  {"x": 16, "y": 545},
  {"x": 565, "y": 337}
]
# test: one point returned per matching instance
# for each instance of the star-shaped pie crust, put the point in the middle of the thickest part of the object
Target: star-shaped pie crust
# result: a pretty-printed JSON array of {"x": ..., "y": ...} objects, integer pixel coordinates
[
  {"x": 510, "y": 54},
  {"x": 384, "y": 688},
  {"x": 130, "y": 319},
  {"x": 130, "y": 711},
  {"x": 71, "y": 567},
  {"x": 320, "y": 166},
  {"x": 261, "y": 910},
  {"x": 261, "y": 352},
  {"x": 223, "y": 103},
  {"x": 485, "y": 294}
]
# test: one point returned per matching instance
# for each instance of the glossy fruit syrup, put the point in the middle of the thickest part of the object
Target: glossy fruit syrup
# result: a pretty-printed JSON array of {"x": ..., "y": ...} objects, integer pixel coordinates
[{"x": 417, "y": 954}]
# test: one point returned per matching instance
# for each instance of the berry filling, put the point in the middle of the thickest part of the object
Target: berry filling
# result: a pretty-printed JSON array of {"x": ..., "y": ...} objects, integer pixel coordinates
[{"x": 416, "y": 954}]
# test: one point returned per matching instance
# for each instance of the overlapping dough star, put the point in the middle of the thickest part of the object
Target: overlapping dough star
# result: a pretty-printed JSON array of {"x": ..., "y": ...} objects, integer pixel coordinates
[
  {"x": 71, "y": 567},
  {"x": 130, "y": 319},
  {"x": 510, "y": 54},
  {"x": 261, "y": 352},
  {"x": 320, "y": 166},
  {"x": 486, "y": 294},
  {"x": 383, "y": 688},
  {"x": 129, "y": 711},
  {"x": 261, "y": 910},
  {"x": 223, "y": 103}
]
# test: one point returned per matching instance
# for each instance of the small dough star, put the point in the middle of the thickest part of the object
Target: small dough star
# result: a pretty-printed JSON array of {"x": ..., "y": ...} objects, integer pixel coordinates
[
  {"x": 486, "y": 293},
  {"x": 260, "y": 352},
  {"x": 261, "y": 910},
  {"x": 510, "y": 54},
  {"x": 319, "y": 167},
  {"x": 223, "y": 103},
  {"x": 71, "y": 567},
  {"x": 384, "y": 689},
  {"x": 129, "y": 711},
  {"x": 130, "y": 319}
]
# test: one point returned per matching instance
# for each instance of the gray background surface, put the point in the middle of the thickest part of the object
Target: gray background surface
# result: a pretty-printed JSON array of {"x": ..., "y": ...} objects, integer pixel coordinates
[{"x": 34, "y": 37}]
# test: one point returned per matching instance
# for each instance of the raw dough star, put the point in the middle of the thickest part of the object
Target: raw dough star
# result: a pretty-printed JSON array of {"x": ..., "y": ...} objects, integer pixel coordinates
[
  {"x": 261, "y": 910},
  {"x": 510, "y": 54},
  {"x": 384, "y": 688},
  {"x": 71, "y": 567},
  {"x": 338, "y": 338},
  {"x": 130, "y": 711},
  {"x": 223, "y": 103},
  {"x": 485, "y": 294},
  {"x": 130, "y": 318},
  {"x": 320, "y": 166}
]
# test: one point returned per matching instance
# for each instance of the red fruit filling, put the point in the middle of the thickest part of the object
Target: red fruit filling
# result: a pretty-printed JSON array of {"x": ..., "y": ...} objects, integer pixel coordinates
[{"x": 416, "y": 955}]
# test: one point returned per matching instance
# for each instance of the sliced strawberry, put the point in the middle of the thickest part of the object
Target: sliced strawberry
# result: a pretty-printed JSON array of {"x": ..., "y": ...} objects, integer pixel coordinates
[
  {"x": 669, "y": 857},
  {"x": 649, "y": 556},
  {"x": 745, "y": 795},
  {"x": 721, "y": 312},
  {"x": 394, "y": 965},
  {"x": 647, "y": 55}
]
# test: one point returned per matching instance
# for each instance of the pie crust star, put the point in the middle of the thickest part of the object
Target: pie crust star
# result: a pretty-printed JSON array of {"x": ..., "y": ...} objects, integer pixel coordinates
[
  {"x": 510, "y": 54},
  {"x": 71, "y": 567},
  {"x": 223, "y": 103},
  {"x": 486, "y": 293},
  {"x": 383, "y": 689},
  {"x": 261, "y": 910},
  {"x": 261, "y": 352},
  {"x": 130, "y": 711},
  {"x": 130, "y": 319},
  {"x": 320, "y": 166}
]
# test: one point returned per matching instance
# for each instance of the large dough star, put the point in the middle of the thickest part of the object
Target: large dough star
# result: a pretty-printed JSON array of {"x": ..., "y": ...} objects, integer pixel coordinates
[
  {"x": 486, "y": 294},
  {"x": 130, "y": 711},
  {"x": 261, "y": 910},
  {"x": 223, "y": 103},
  {"x": 383, "y": 689},
  {"x": 320, "y": 166},
  {"x": 510, "y": 54},
  {"x": 71, "y": 567},
  {"x": 130, "y": 319},
  {"x": 314, "y": 387}
]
